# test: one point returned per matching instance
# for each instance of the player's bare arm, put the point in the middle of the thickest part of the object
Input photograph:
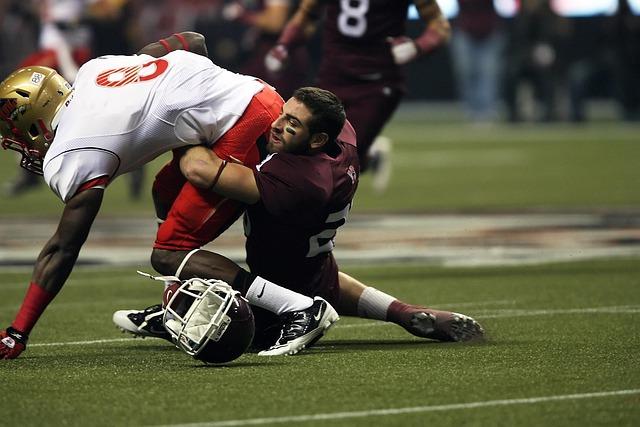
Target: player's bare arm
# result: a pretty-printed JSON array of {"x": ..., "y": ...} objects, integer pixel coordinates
[
  {"x": 186, "y": 40},
  {"x": 300, "y": 27},
  {"x": 433, "y": 17},
  {"x": 204, "y": 169},
  {"x": 52, "y": 268},
  {"x": 307, "y": 13},
  {"x": 57, "y": 258},
  {"x": 269, "y": 20}
]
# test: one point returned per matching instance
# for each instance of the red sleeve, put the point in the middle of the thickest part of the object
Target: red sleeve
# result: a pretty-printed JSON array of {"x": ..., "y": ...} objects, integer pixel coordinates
[{"x": 100, "y": 182}]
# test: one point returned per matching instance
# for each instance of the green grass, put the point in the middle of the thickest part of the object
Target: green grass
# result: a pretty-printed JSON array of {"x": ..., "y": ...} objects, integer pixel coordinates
[
  {"x": 554, "y": 329},
  {"x": 455, "y": 167}
]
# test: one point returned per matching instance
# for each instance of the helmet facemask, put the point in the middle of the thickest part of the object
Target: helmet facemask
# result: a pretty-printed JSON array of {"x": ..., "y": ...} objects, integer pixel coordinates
[
  {"x": 31, "y": 100},
  {"x": 198, "y": 314}
]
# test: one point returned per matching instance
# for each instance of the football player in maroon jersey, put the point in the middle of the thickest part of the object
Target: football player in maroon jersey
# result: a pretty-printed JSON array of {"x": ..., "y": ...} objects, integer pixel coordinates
[
  {"x": 364, "y": 47},
  {"x": 297, "y": 198}
]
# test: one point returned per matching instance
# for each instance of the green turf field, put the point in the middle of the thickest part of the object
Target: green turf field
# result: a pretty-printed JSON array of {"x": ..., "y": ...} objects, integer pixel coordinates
[
  {"x": 456, "y": 167},
  {"x": 563, "y": 339},
  {"x": 557, "y": 334}
]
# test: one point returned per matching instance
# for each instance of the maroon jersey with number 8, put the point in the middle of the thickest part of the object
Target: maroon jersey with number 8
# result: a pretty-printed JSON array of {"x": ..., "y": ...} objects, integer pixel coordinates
[{"x": 355, "y": 38}]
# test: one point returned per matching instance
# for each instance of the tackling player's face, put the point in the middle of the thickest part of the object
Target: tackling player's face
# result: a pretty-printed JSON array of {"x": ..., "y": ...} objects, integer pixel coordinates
[{"x": 290, "y": 132}]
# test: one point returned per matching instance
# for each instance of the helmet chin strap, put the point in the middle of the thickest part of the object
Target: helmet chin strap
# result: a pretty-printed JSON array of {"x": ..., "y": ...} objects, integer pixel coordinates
[{"x": 184, "y": 261}]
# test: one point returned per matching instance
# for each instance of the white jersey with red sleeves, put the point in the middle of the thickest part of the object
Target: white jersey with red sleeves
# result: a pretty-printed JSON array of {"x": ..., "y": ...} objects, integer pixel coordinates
[{"x": 128, "y": 110}]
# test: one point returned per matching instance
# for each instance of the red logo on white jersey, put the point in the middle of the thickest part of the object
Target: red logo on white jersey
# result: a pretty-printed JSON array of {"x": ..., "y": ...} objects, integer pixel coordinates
[{"x": 119, "y": 77}]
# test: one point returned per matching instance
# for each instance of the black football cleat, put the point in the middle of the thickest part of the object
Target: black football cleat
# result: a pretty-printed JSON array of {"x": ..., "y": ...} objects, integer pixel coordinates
[
  {"x": 301, "y": 329},
  {"x": 142, "y": 323}
]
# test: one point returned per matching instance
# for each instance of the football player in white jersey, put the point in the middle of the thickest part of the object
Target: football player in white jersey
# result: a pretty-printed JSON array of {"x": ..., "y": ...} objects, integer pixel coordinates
[{"x": 122, "y": 112}]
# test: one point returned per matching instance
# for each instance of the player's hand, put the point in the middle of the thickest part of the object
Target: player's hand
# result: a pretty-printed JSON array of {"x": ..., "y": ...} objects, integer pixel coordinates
[
  {"x": 12, "y": 343},
  {"x": 403, "y": 49},
  {"x": 233, "y": 11},
  {"x": 276, "y": 59}
]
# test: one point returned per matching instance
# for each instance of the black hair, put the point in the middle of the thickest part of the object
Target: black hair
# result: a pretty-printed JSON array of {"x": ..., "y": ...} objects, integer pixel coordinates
[{"x": 327, "y": 111}]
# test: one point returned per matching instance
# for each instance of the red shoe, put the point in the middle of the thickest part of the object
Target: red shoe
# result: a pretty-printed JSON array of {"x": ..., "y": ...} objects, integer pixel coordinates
[{"x": 436, "y": 325}]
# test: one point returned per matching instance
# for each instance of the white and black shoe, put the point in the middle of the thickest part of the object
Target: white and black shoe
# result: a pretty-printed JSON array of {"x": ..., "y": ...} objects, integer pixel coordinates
[
  {"x": 379, "y": 156},
  {"x": 142, "y": 323},
  {"x": 301, "y": 329}
]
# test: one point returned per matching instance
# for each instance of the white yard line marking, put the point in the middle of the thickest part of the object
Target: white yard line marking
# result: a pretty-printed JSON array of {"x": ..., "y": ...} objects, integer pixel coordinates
[
  {"x": 408, "y": 410},
  {"x": 497, "y": 314},
  {"x": 625, "y": 309},
  {"x": 53, "y": 344}
]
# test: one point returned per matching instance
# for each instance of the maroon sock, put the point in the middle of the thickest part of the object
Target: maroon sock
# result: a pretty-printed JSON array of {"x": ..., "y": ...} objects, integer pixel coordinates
[
  {"x": 398, "y": 312},
  {"x": 35, "y": 301}
]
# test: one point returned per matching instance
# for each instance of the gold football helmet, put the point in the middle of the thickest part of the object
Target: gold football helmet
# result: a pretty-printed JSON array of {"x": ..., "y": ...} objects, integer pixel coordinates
[{"x": 30, "y": 102}]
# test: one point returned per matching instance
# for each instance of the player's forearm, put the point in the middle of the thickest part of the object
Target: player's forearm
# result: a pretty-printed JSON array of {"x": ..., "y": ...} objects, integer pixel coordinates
[
  {"x": 186, "y": 40},
  {"x": 57, "y": 258},
  {"x": 438, "y": 30},
  {"x": 301, "y": 25},
  {"x": 272, "y": 20},
  {"x": 53, "y": 266},
  {"x": 205, "y": 170},
  {"x": 50, "y": 272}
]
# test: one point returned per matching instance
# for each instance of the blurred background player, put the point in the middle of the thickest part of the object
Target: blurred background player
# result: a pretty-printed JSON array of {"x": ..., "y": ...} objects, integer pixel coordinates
[
  {"x": 364, "y": 47},
  {"x": 262, "y": 22},
  {"x": 477, "y": 48}
]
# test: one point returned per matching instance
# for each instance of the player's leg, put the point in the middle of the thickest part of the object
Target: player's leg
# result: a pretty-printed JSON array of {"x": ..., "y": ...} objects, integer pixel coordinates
[
  {"x": 166, "y": 186},
  {"x": 358, "y": 299},
  {"x": 369, "y": 108},
  {"x": 52, "y": 38}
]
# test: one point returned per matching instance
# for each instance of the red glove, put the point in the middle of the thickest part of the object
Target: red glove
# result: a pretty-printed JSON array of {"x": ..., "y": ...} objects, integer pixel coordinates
[
  {"x": 276, "y": 59},
  {"x": 12, "y": 343}
]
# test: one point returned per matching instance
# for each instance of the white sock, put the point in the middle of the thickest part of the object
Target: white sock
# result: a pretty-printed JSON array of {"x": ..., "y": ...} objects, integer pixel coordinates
[
  {"x": 268, "y": 295},
  {"x": 373, "y": 304}
]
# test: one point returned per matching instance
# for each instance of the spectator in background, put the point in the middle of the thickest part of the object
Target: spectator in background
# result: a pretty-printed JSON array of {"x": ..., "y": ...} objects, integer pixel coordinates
[
  {"x": 263, "y": 20},
  {"x": 477, "y": 47},
  {"x": 535, "y": 35},
  {"x": 590, "y": 53},
  {"x": 19, "y": 25},
  {"x": 627, "y": 61}
]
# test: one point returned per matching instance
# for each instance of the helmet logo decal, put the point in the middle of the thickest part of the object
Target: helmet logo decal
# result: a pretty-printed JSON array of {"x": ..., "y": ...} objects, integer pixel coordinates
[
  {"x": 123, "y": 76},
  {"x": 37, "y": 78}
]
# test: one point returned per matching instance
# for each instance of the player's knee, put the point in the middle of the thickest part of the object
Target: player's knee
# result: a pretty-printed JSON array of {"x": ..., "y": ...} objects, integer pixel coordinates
[{"x": 166, "y": 262}]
